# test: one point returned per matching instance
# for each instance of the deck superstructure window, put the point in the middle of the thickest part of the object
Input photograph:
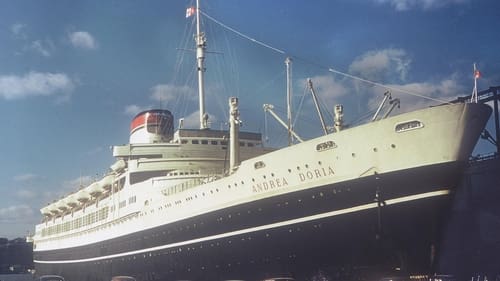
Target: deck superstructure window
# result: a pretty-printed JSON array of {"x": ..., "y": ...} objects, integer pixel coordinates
[
  {"x": 326, "y": 146},
  {"x": 259, "y": 164},
  {"x": 408, "y": 126}
]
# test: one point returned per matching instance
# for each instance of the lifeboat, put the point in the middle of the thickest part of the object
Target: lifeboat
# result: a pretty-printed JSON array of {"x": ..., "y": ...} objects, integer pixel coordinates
[
  {"x": 53, "y": 208},
  {"x": 105, "y": 183},
  {"x": 61, "y": 205},
  {"x": 94, "y": 188},
  {"x": 82, "y": 195},
  {"x": 46, "y": 211},
  {"x": 72, "y": 201},
  {"x": 118, "y": 166}
]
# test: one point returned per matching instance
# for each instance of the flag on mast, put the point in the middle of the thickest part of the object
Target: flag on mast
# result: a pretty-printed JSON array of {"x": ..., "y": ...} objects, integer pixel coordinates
[
  {"x": 190, "y": 11},
  {"x": 477, "y": 74}
]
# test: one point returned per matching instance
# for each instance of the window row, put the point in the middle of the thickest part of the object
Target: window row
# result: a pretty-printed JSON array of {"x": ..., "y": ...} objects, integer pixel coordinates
[
  {"x": 77, "y": 223},
  {"x": 215, "y": 142}
]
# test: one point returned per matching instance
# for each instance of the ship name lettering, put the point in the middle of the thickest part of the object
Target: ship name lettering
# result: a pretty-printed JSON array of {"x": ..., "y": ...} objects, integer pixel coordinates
[
  {"x": 270, "y": 184},
  {"x": 316, "y": 174}
]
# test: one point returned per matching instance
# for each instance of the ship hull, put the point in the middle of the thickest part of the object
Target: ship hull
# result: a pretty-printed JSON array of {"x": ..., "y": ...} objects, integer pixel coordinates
[{"x": 382, "y": 221}]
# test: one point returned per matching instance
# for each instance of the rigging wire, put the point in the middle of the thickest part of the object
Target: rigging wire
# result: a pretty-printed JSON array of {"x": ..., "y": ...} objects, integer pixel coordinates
[
  {"x": 180, "y": 103},
  {"x": 218, "y": 62},
  {"x": 299, "y": 107},
  {"x": 243, "y": 35},
  {"x": 329, "y": 69}
]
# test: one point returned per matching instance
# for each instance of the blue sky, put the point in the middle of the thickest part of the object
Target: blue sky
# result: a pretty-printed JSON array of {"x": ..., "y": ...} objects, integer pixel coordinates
[{"x": 73, "y": 73}]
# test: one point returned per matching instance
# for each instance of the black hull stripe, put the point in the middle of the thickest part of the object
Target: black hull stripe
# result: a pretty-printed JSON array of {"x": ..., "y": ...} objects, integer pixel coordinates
[{"x": 359, "y": 208}]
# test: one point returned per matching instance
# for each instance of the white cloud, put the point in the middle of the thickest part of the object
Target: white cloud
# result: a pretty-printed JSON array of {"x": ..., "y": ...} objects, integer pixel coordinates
[
  {"x": 35, "y": 84},
  {"x": 390, "y": 68},
  {"x": 26, "y": 177},
  {"x": 328, "y": 86},
  {"x": 193, "y": 120},
  {"x": 167, "y": 93},
  {"x": 16, "y": 213},
  {"x": 26, "y": 194},
  {"x": 76, "y": 183},
  {"x": 44, "y": 48},
  {"x": 133, "y": 109},
  {"x": 18, "y": 29},
  {"x": 72, "y": 185},
  {"x": 404, "y": 5},
  {"x": 95, "y": 150},
  {"x": 410, "y": 94},
  {"x": 382, "y": 65},
  {"x": 83, "y": 40}
]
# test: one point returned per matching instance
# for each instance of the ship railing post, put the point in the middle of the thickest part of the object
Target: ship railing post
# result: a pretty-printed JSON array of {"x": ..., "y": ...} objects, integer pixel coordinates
[{"x": 234, "y": 142}]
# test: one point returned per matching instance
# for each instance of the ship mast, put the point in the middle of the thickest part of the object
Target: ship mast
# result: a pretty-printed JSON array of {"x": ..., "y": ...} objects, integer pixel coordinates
[
  {"x": 288, "y": 62},
  {"x": 201, "y": 44}
]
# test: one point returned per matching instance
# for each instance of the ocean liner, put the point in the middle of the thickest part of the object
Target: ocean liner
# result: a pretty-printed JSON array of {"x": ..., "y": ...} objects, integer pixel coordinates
[{"x": 204, "y": 204}]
